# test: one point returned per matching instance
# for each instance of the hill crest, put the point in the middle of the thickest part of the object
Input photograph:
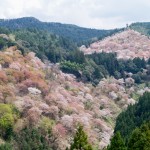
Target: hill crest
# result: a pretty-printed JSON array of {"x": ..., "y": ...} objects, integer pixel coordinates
[
  {"x": 127, "y": 44},
  {"x": 74, "y": 33}
]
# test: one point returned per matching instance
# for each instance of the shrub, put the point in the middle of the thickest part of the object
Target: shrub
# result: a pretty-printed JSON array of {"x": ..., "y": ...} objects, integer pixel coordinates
[
  {"x": 46, "y": 124},
  {"x": 5, "y": 146},
  {"x": 8, "y": 115},
  {"x": 31, "y": 139}
]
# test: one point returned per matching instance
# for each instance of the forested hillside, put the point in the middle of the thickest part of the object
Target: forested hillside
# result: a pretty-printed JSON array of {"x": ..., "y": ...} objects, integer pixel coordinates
[
  {"x": 142, "y": 27},
  {"x": 134, "y": 116},
  {"x": 132, "y": 130},
  {"x": 54, "y": 96},
  {"x": 87, "y": 68},
  {"x": 127, "y": 45},
  {"x": 79, "y": 35},
  {"x": 44, "y": 44},
  {"x": 41, "y": 107}
]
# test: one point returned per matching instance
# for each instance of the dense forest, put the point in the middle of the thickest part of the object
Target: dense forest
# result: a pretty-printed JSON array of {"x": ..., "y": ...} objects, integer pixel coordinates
[
  {"x": 142, "y": 27},
  {"x": 134, "y": 116},
  {"x": 133, "y": 126},
  {"x": 79, "y": 35},
  {"x": 99, "y": 65},
  {"x": 87, "y": 68}
]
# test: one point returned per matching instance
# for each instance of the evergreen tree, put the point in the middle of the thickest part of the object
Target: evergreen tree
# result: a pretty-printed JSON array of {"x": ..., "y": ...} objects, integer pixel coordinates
[
  {"x": 140, "y": 138},
  {"x": 117, "y": 143},
  {"x": 5, "y": 146},
  {"x": 80, "y": 141},
  {"x": 133, "y": 117}
]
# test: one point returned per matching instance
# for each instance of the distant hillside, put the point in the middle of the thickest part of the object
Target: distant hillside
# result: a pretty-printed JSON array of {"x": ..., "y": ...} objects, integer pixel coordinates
[
  {"x": 142, "y": 27},
  {"x": 87, "y": 68},
  {"x": 73, "y": 32},
  {"x": 44, "y": 44},
  {"x": 127, "y": 44}
]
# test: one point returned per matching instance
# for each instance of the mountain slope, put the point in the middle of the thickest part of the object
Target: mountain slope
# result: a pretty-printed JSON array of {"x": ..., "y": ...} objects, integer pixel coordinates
[
  {"x": 44, "y": 44},
  {"x": 87, "y": 68},
  {"x": 133, "y": 118},
  {"x": 72, "y": 32},
  {"x": 127, "y": 44},
  {"x": 52, "y": 103}
]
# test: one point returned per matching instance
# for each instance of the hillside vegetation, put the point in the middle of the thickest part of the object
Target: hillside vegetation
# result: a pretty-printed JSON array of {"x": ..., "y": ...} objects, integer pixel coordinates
[
  {"x": 87, "y": 68},
  {"x": 132, "y": 130},
  {"x": 142, "y": 27},
  {"x": 134, "y": 116},
  {"x": 127, "y": 45},
  {"x": 54, "y": 96},
  {"x": 74, "y": 33},
  {"x": 47, "y": 105}
]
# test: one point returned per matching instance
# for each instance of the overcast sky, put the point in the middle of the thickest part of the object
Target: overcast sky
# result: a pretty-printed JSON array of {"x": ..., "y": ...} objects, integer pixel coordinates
[{"x": 87, "y": 13}]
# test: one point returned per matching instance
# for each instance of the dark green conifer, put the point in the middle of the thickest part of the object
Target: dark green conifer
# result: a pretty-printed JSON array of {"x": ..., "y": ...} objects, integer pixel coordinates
[
  {"x": 117, "y": 143},
  {"x": 80, "y": 141},
  {"x": 140, "y": 138}
]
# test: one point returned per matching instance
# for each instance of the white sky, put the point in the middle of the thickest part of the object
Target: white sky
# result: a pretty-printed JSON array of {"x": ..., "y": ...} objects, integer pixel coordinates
[{"x": 87, "y": 13}]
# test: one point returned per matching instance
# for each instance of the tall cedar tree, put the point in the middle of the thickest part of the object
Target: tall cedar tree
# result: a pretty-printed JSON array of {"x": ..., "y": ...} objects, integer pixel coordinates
[
  {"x": 117, "y": 143},
  {"x": 140, "y": 138},
  {"x": 80, "y": 141}
]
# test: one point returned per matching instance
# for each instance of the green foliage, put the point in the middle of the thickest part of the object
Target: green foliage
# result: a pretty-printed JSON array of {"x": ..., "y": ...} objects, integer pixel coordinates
[
  {"x": 143, "y": 27},
  {"x": 31, "y": 139},
  {"x": 44, "y": 44},
  {"x": 2, "y": 43},
  {"x": 80, "y": 141},
  {"x": 140, "y": 138},
  {"x": 140, "y": 63},
  {"x": 105, "y": 64},
  {"x": 6, "y": 146},
  {"x": 93, "y": 72},
  {"x": 6, "y": 121},
  {"x": 71, "y": 67},
  {"x": 134, "y": 116},
  {"x": 117, "y": 143},
  {"x": 4, "y": 30},
  {"x": 46, "y": 124},
  {"x": 5, "y": 43},
  {"x": 8, "y": 115},
  {"x": 134, "y": 66},
  {"x": 109, "y": 61},
  {"x": 60, "y": 49},
  {"x": 74, "y": 33},
  {"x": 88, "y": 71}
]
